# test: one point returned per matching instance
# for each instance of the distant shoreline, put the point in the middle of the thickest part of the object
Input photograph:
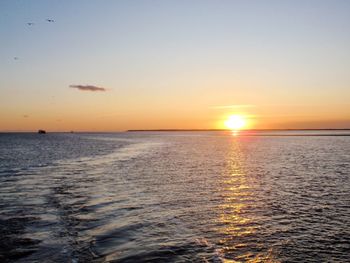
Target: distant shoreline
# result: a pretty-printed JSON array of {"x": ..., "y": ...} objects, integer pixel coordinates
[
  {"x": 222, "y": 130},
  {"x": 181, "y": 130}
]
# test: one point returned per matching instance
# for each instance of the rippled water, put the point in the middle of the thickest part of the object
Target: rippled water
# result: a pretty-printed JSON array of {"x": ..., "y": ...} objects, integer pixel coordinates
[{"x": 174, "y": 197}]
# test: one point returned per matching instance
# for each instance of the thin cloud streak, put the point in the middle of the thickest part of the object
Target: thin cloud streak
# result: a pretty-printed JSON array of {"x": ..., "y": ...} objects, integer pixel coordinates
[
  {"x": 87, "y": 88},
  {"x": 233, "y": 106}
]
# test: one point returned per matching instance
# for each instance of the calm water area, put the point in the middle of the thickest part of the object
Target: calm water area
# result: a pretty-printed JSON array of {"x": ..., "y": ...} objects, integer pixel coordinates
[{"x": 281, "y": 196}]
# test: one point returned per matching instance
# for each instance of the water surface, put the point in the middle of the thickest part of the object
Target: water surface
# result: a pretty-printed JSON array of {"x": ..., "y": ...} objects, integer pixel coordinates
[{"x": 175, "y": 197}]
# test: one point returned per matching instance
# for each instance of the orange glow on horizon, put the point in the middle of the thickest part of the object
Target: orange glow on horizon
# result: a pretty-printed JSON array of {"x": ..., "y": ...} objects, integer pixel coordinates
[{"x": 236, "y": 122}]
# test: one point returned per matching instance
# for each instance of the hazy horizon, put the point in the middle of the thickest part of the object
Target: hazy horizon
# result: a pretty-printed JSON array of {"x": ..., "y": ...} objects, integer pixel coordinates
[{"x": 241, "y": 132}]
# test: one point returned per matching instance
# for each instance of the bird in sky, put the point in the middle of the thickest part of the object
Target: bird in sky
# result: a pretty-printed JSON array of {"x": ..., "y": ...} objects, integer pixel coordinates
[
  {"x": 15, "y": 58},
  {"x": 50, "y": 20},
  {"x": 30, "y": 24}
]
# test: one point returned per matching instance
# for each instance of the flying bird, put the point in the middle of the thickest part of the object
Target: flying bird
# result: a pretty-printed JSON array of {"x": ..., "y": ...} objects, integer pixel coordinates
[
  {"x": 15, "y": 58},
  {"x": 30, "y": 24},
  {"x": 50, "y": 20}
]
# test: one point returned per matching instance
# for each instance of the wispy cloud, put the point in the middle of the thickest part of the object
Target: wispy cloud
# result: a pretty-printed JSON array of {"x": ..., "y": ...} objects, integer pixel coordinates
[
  {"x": 237, "y": 106},
  {"x": 87, "y": 88}
]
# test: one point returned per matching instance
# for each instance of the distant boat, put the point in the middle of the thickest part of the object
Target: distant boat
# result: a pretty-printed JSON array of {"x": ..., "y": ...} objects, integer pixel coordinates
[{"x": 41, "y": 131}]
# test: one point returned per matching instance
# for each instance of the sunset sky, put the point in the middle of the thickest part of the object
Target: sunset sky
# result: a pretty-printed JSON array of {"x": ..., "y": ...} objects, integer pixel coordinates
[{"x": 118, "y": 65}]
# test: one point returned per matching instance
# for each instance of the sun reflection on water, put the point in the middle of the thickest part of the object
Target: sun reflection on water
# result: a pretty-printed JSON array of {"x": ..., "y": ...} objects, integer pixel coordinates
[{"x": 239, "y": 223}]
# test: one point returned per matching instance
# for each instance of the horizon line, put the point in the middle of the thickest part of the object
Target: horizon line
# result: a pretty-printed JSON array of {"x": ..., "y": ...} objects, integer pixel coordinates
[{"x": 173, "y": 130}]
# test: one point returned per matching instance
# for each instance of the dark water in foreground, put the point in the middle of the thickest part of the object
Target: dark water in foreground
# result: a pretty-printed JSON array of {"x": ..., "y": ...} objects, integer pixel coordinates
[{"x": 174, "y": 197}]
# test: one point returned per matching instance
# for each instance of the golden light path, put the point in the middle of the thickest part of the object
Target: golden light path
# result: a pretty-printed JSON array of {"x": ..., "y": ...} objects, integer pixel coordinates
[{"x": 241, "y": 222}]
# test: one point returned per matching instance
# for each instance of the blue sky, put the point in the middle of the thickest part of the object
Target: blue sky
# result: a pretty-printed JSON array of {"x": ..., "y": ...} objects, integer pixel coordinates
[{"x": 175, "y": 57}]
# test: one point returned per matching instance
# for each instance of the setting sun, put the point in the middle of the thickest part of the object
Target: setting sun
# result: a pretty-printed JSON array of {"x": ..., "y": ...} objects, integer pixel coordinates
[{"x": 236, "y": 122}]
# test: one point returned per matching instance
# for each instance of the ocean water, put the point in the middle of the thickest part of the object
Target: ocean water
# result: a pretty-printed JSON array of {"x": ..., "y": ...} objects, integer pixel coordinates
[{"x": 175, "y": 197}]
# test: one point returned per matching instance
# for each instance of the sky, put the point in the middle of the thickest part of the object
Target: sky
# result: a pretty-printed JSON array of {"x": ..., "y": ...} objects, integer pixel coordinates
[{"x": 184, "y": 64}]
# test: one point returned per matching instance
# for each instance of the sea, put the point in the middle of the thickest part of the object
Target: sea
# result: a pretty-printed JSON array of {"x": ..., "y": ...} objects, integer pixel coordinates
[{"x": 180, "y": 196}]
